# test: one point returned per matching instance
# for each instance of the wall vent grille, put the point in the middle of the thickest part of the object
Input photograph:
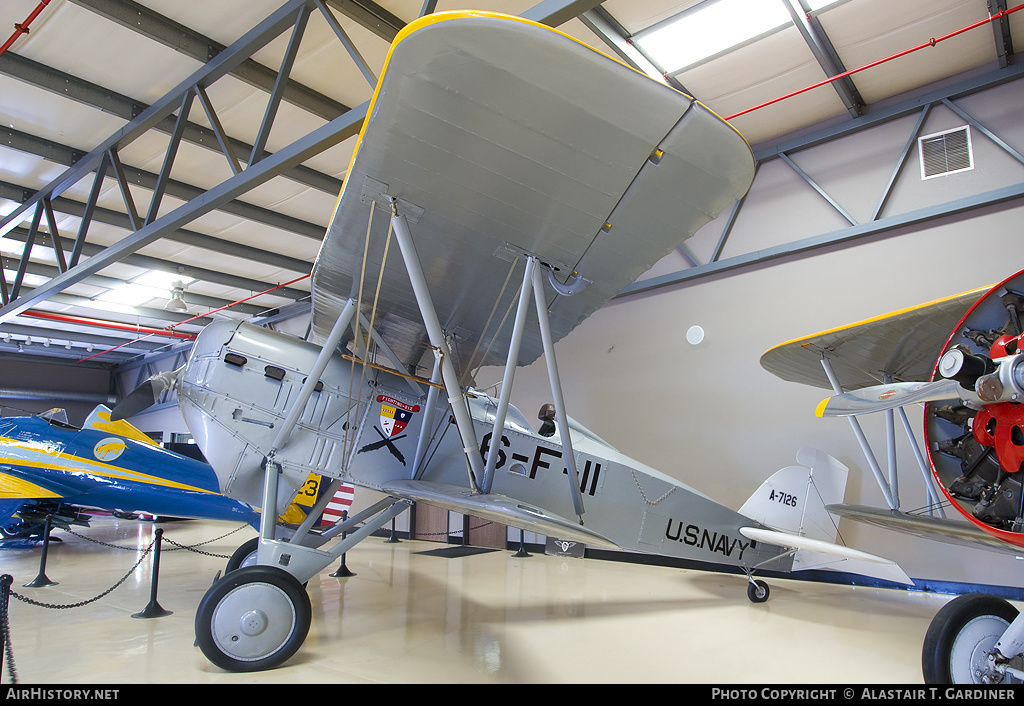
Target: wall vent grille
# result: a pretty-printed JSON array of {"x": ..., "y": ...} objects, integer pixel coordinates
[{"x": 946, "y": 152}]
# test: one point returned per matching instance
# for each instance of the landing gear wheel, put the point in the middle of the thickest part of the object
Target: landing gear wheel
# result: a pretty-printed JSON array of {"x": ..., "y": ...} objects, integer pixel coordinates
[
  {"x": 961, "y": 637},
  {"x": 245, "y": 555},
  {"x": 757, "y": 591},
  {"x": 253, "y": 618}
]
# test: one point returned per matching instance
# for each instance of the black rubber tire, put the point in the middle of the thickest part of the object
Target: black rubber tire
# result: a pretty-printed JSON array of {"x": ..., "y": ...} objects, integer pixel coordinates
[
  {"x": 245, "y": 555},
  {"x": 979, "y": 619},
  {"x": 758, "y": 591},
  {"x": 252, "y": 619}
]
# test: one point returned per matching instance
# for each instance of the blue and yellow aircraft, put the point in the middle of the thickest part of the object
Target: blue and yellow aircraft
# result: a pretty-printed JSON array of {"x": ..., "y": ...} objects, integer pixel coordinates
[{"x": 51, "y": 468}]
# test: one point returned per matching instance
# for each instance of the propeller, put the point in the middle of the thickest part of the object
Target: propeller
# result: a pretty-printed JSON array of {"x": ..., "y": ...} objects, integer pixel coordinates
[
  {"x": 145, "y": 395},
  {"x": 879, "y": 398},
  {"x": 973, "y": 379}
]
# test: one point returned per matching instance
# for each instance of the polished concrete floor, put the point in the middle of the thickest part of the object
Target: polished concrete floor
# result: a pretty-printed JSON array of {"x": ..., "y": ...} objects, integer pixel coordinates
[{"x": 407, "y": 616}]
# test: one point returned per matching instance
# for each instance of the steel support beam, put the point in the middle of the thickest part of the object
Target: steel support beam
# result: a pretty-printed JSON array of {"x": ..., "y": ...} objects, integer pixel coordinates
[
  {"x": 825, "y": 54},
  {"x": 877, "y": 225},
  {"x": 154, "y": 26},
  {"x": 883, "y": 225},
  {"x": 317, "y": 141}
]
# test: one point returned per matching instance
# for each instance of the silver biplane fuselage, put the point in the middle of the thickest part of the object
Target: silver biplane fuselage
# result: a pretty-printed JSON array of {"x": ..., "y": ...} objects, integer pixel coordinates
[{"x": 375, "y": 431}]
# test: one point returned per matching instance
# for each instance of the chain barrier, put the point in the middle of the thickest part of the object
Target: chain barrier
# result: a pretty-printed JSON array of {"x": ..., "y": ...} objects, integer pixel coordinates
[
  {"x": 5, "y": 631},
  {"x": 6, "y": 581},
  {"x": 189, "y": 547},
  {"x": 451, "y": 532}
]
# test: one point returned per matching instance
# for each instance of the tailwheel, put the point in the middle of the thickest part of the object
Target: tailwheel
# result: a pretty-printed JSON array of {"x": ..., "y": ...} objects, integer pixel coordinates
[
  {"x": 960, "y": 645},
  {"x": 253, "y": 618},
  {"x": 757, "y": 591}
]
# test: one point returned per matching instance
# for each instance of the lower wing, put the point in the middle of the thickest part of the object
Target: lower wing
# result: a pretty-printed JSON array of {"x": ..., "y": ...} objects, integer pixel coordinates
[{"x": 497, "y": 508}]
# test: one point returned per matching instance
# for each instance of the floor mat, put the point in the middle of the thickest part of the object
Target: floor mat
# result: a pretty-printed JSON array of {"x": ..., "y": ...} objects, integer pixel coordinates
[{"x": 456, "y": 552}]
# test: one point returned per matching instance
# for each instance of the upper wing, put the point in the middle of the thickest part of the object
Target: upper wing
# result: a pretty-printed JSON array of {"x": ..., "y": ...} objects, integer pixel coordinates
[
  {"x": 903, "y": 344},
  {"x": 500, "y": 137}
]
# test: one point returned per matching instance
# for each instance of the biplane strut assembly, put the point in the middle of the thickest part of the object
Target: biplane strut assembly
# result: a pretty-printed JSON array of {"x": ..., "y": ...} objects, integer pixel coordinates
[
  {"x": 532, "y": 283},
  {"x": 257, "y": 616}
]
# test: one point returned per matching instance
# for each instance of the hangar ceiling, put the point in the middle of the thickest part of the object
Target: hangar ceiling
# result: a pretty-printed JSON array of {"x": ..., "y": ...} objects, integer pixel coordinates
[{"x": 102, "y": 182}]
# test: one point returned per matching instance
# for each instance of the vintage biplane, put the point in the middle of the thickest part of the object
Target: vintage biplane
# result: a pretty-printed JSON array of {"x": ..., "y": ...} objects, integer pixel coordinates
[
  {"x": 508, "y": 181},
  {"x": 963, "y": 359},
  {"x": 49, "y": 468}
]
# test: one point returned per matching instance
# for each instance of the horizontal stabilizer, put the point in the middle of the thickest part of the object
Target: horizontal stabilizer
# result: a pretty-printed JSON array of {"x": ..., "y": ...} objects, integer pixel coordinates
[
  {"x": 498, "y": 508},
  {"x": 879, "y": 398},
  {"x": 852, "y": 560},
  {"x": 939, "y": 529}
]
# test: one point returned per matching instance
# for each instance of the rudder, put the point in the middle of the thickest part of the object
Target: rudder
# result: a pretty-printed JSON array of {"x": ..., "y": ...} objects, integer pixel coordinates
[{"x": 793, "y": 499}]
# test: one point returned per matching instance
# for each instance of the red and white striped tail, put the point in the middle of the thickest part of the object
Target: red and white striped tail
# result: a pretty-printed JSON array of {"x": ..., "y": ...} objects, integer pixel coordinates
[{"x": 341, "y": 501}]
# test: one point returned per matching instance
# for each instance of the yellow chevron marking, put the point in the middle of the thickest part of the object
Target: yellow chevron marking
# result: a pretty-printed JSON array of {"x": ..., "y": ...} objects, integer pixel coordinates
[
  {"x": 14, "y": 488},
  {"x": 121, "y": 428}
]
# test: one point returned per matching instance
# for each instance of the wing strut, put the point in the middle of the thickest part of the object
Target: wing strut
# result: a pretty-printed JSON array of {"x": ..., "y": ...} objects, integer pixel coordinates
[
  {"x": 533, "y": 282},
  {"x": 428, "y": 422},
  {"x": 470, "y": 445},
  {"x": 556, "y": 391},
  {"x": 889, "y": 491},
  {"x": 511, "y": 363}
]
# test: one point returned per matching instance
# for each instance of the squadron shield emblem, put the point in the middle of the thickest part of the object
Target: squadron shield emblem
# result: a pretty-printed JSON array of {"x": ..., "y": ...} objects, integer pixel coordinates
[{"x": 394, "y": 416}]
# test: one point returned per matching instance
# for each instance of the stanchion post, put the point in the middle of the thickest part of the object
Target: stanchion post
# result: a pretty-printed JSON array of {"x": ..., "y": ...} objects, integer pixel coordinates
[
  {"x": 343, "y": 570},
  {"x": 41, "y": 580},
  {"x": 153, "y": 608},
  {"x": 393, "y": 539},
  {"x": 522, "y": 553}
]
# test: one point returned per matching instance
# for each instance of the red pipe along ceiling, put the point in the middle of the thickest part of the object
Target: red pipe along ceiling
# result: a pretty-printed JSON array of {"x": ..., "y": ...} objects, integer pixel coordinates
[
  {"x": 20, "y": 29},
  {"x": 107, "y": 324},
  {"x": 930, "y": 43}
]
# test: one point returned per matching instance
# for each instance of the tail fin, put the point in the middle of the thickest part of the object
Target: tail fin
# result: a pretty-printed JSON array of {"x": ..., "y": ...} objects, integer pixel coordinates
[
  {"x": 99, "y": 419},
  {"x": 793, "y": 500}
]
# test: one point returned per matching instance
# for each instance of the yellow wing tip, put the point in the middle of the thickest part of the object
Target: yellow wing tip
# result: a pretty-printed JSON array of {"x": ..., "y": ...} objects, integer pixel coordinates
[{"x": 820, "y": 411}]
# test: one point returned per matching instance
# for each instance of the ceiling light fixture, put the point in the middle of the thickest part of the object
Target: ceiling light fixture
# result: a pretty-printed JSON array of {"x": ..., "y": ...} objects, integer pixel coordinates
[
  {"x": 177, "y": 300},
  {"x": 708, "y": 29}
]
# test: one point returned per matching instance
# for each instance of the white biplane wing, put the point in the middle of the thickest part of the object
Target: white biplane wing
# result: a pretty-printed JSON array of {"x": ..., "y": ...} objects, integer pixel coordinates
[
  {"x": 499, "y": 137},
  {"x": 901, "y": 344},
  {"x": 497, "y": 508}
]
